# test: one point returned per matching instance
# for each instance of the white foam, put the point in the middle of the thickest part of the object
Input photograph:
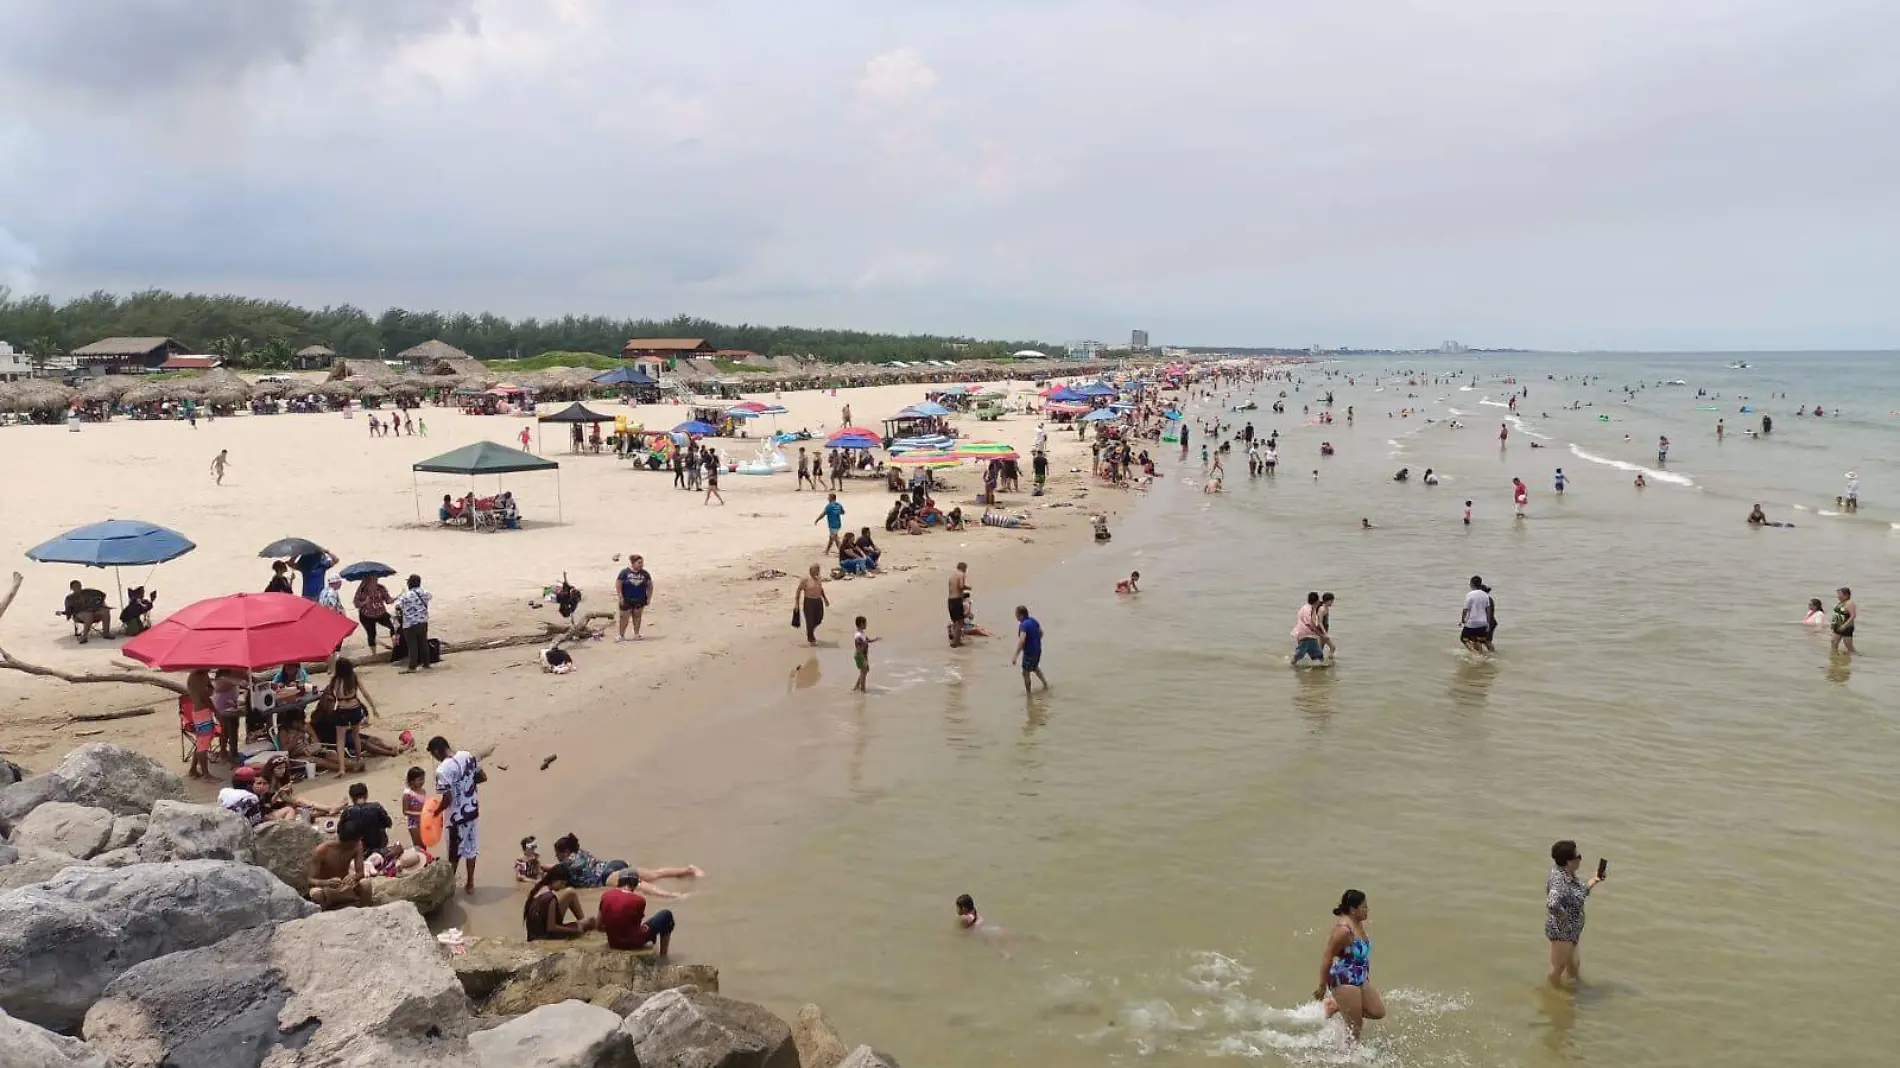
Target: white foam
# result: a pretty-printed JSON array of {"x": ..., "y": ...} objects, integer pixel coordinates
[
  {"x": 1492, "y": 403},
  {"x": 1455, "y": 411},
  {"x": 1622, "y": 465}
]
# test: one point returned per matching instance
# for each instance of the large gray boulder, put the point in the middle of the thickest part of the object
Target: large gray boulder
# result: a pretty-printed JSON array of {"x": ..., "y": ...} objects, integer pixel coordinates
[
  {"x": 866, "y": 1057},
  {"x": 283, "y": 848},
  {"x": 675, "y": 1029},
  {"x": 126, "y": 831},
  {"x": 119, "y": 780},
  {"x": 22, "y": 1045},
  {"x": 428, "y": 888},
  {"x": 356, "y": 987},
  {"x": 179, "y": 831},
  {"x": 63, "y": 827},
  {"x": 818, "y": 1043},
  {"x": 63, "y": 940},
  {"x": 10, "y": 772},
  {"x": 579, "y": 971},
  {"x": 571, "y": 1034},
  {"x": 26, "y": 865}
]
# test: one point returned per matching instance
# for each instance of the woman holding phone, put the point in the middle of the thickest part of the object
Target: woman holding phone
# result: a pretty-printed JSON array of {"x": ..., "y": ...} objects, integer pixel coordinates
[{"x": 1563, "y": 898}]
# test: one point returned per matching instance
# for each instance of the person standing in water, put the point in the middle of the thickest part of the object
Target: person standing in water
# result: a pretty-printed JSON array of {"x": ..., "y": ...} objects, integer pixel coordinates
[
  {"x": 1850, "y": 500},
  {"x": 1560, "y": 482},
  {"x": 1846, "y": 614},
  {"x": 1028, "y": 647},
  {"x": 1345, "y": 975},
  {"x": 1520, "y": 495},
  {"x": 812, "y": 601},
  {"x": 1563, "y": 901},
  {"x": 1474, "y": 623},
  {"x": 959, "y": 586},
  {"x": 1662, "y": 449},
  {"x": 861, "y": 653}
]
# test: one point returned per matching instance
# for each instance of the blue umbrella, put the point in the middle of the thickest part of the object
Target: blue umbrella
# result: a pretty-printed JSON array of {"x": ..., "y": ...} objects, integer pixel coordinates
[
  {"x": 696, "y": 428},
  {"x": 366, "y": 569},
  {"x": 927, "y": 408},
  {"x": 1171, "y": 414},
  {"x": 1100, "y": 415},
  {"x": 113, "y": 543}
]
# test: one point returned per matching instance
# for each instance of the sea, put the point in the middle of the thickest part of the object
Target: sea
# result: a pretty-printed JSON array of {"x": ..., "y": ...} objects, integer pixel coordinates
[{"x": 1157, "y": 842}]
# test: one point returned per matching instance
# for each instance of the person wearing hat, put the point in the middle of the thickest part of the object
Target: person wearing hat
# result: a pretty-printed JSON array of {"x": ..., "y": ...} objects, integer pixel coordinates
[
  {"x": 332, "y": 596},
  {"x": 241, "y": 796}
]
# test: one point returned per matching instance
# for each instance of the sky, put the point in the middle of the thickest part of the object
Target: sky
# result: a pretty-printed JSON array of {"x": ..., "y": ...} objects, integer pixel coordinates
[{"x": 1633, "y": 174}]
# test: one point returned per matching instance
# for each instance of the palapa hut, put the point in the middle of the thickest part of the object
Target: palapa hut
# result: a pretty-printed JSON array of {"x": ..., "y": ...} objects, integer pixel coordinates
[
  {"x": 368, "y": 369},
  {"x": 40, "y": 397},
  {"x": 423, "y": 358},
  {"x": 335, "y": 390},
  {"x": 106, "y": 390},
  {"x": 224, "y": 388},
  {"x": 313, "y": 357}
]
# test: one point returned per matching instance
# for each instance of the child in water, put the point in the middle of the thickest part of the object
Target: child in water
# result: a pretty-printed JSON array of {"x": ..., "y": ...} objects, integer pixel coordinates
[
  {"x": 1131, "y": 584},
  {"x": 967, "y": 917}
]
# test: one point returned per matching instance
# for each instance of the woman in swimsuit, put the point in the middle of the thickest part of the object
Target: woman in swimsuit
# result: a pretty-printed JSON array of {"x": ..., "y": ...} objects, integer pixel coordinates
[
  {"x": 1563, "y": 897},
  {"x": 353, "y": 705},
  {"x": 1346, "y": 967},
  {"x": 549, "y": 903}
]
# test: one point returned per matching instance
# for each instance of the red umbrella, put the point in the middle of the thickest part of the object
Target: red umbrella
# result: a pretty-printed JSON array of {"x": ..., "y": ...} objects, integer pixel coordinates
[{"x": 251, "y": 631}]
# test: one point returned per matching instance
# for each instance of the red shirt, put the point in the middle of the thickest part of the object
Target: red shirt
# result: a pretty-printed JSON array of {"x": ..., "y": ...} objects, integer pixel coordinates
[{"x": 623, "y": 919}]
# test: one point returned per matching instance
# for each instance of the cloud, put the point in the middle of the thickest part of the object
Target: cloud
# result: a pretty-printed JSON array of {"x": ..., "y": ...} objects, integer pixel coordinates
[
  {"x": 1625, "y": 173},
  {"x": 895, "y": 78}
]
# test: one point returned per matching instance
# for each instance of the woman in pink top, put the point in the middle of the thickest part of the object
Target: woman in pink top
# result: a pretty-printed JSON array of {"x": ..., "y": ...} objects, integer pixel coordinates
[{"x": 1309, "y": 632}]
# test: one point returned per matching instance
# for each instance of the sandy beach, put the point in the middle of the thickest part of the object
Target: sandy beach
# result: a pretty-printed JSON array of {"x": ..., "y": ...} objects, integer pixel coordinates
[{"x": 324, "y": 478}]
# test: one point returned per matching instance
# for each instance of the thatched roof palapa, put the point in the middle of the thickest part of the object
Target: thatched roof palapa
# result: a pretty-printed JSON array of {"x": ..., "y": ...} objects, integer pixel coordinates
[
  {"x": 434, "y": 351},
  {"x": 39, "y": 395},
  {"x": 106, "y": 389},
  {"x": 317, "y": 352},
  {"x": 360, "y": 369},
  {"x": 335, "y": 390}
]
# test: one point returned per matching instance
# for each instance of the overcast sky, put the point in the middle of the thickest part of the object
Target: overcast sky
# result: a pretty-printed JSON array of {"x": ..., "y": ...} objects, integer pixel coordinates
[{"x": 1617, "y": 173}]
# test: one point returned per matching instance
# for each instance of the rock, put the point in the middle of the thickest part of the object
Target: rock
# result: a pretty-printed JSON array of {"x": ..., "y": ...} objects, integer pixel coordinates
[
  {"x": 570, "y": 1034},
  {"x": 112, "y": 777},
  {"x": 179, "y": 831},
  {"x": 26, "y": 865},
  {"x": 679, "y": 1030},
  {"x": 63, "y": 827},
  {"x": 283, "y": 848},
  {"x": 352, "y": 989},
  {"x": 63, "y": 940},
  {"x": 866, "y": 1057},
  {"x": 116, "y": 858},
  {"x": 126, "y": 831},
  {"x": 818, "y": 1043},
  {"x": 10, "y": 773},
  {"x": 486, "y": 963},
  {"x": 428, "y": 888},
  {"x": 22, "y": 1045},
  {"x": 576, "y": 971}
]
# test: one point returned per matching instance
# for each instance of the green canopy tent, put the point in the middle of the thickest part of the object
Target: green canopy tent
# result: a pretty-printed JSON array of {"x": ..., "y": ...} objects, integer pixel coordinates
[{"x": 485, "y": 458}]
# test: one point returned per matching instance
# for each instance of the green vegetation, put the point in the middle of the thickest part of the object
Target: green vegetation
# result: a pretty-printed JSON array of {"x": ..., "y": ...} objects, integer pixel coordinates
[
  {"x": 546, "y": 360},
  {"x": 248, "y": 332}
]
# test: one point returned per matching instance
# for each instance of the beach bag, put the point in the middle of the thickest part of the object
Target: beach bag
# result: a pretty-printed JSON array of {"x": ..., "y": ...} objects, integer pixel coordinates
[{"x": 797, "y": 619}]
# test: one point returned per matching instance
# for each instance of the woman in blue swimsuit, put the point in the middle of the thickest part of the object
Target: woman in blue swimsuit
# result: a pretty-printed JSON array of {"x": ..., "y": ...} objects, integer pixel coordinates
[{"x": 1346, "y": 971}]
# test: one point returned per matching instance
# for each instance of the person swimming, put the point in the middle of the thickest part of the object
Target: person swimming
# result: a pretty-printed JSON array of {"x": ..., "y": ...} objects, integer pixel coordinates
[
  {"x": 1131, "y": 584},
  {"x": 1758, "y": 518},
  {"x": 967, "y": 917},
  {"x": 1404, "y": 474},
  {"x": 1431, "y": 478},
  {"x": 1817, "y": 614}
]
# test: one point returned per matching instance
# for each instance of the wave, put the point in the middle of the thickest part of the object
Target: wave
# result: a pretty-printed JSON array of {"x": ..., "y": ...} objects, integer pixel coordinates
[
  {"x": 1518, "y": 423},
  {"x": 1492, "y": 403},
  {"x": 1621, "y": 465}
]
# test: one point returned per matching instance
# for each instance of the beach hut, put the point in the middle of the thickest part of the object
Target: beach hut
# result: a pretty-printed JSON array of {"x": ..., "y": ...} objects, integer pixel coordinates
[
  {"x": 106, "y": 389},
  {"x": 485, "y": 458},
  {"x": 41, "y": 397},
  {"x": 313, "y": 358}
]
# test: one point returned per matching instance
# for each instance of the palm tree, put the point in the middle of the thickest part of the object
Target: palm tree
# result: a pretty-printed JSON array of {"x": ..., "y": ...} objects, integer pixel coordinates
[
  {"x": 276, "y": 353},
  {"x": 42, "y": 351},
  {"x": 234, "y": 351}
]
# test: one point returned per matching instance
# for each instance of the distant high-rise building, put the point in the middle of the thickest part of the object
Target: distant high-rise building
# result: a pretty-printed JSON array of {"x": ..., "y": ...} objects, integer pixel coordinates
[
  {"x": 1450, "y": 347},
  {"x": 1138, "y": 340},
  {"x": 1085, "y": 350}
]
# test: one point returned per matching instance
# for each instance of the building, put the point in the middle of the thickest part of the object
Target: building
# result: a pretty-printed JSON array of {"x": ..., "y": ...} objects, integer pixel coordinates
[
  {"x": 1085, "y": 350},
  {"x": 664, "y": 349},
  {"x": 1138, "y": 340},
  {"x": 1450, "y": 347},
  {"x": 13, "y": 365},
  {"x": 126, "y": 355},
  {"x": 313, "y": 358}
]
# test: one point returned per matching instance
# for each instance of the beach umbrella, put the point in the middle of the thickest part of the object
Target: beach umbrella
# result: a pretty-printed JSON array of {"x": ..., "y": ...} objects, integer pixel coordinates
[
  {"x": 1066, "y": 396},
  {"x": 925, "y": 458},
  {"x": 363, "y": 569},
  {"x": 114, "y": 543},
  {"x": 1100, "y": 415},
  {"x": 289, "y": 548},
  {"x": 839, "y": 436},
  {"x": 754, "y": 407},
  {"x": 985, "y": 450},
  {"x": 1095, "y": 389},
  {"x": 248, "y": 631},
  {"x": 928, "y": 410},
  {"x": 696, "y": 428},
  {"x": 1076, "y": 408}
]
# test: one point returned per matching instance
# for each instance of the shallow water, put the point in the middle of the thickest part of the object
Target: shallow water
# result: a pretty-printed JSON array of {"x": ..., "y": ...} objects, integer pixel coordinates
[{"x": 1160, "y": 839}]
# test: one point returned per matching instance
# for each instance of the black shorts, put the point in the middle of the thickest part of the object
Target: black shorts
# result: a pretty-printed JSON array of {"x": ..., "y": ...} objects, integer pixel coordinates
[
  {"x": 956, "y": 609},
  {"x": 1475, "y": 634}
]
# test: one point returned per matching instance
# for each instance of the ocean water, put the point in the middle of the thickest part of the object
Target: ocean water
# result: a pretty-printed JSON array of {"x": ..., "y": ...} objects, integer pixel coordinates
[{"x": 1157, "y": 843}]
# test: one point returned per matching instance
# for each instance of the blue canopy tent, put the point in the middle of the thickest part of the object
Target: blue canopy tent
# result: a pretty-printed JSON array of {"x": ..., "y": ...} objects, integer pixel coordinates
[
  {"x": 1096, "y": 389},
  {"x": 626, "y": 375},
  {"x": 114, "y": 543},
  {"x": 1101, "y": 415},
  {"x": 1065, "y": 395}
]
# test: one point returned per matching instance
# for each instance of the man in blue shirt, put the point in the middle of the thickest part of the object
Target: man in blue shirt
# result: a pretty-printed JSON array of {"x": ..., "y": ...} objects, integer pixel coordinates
[
  {"x": 314, "y": 567},
  {"x": 833, "y": 515},
  {"x": 1028, "y": 647}
]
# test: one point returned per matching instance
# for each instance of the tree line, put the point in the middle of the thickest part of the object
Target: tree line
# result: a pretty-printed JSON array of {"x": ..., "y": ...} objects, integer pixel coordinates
[{"x": 249, "y": 332}]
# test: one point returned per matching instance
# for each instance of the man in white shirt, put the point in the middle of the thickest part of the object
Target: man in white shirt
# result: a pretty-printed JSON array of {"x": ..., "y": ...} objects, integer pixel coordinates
[
  {"x": 1475, "y": 621},
  {"x": 457, "y": 779}
]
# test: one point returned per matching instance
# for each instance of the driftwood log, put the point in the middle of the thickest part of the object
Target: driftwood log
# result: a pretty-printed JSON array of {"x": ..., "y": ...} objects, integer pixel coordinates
[{"x": 551, "y": 633}]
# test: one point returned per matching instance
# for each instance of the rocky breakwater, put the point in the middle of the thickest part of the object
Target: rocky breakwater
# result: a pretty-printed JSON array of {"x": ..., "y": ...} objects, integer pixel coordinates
[{"x": 139, "y": 931}]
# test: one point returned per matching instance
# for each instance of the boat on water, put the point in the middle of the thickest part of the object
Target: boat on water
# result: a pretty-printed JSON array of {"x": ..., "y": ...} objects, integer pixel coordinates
[{"x": 1738, "y": 365}]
